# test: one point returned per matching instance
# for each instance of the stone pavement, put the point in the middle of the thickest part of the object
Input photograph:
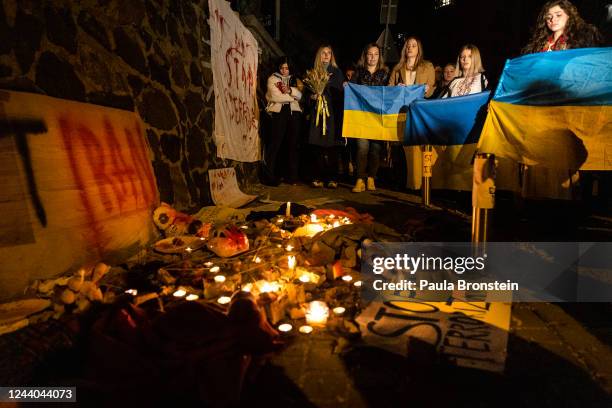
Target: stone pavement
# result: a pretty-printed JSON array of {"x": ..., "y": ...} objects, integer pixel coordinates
[{"x": 559, "y": 355}]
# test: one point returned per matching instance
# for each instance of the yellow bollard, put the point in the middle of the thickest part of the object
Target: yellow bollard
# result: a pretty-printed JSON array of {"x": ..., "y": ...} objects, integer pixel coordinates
[
  {"x": 427, "y": 173},
  {"x": 483, "y": 196}
]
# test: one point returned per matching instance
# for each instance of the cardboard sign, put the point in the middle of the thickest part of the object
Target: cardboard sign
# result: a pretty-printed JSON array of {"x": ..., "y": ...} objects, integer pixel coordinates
[
  {"x": 76, "y": 187},
  {"x": 467, "y": 334}
]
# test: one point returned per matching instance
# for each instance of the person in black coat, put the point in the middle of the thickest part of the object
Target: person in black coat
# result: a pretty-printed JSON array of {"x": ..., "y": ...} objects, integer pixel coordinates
[{"x": 326, "y": 148}]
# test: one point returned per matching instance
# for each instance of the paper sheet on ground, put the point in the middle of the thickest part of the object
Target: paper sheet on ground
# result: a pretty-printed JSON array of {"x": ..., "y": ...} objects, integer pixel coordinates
[{"x": 224, "y": 188}]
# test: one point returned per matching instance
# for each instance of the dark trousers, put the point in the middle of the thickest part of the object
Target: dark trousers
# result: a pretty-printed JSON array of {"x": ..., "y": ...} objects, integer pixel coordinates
[
  {"x": 284, "y": 128},
  {"x": 368, "y": 157},
  {"x": 325, "y": 162}
]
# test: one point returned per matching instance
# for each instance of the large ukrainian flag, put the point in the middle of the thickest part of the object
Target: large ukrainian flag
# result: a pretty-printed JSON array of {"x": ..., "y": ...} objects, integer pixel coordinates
[
  {"x": 554, "y": 109},
  {"x": 378, "y": 112},
  {"x": 452, "y": 126}
]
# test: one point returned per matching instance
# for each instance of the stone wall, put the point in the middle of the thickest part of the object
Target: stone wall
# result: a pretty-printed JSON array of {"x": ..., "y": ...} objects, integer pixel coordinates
[{"x": 148, "y": 56}]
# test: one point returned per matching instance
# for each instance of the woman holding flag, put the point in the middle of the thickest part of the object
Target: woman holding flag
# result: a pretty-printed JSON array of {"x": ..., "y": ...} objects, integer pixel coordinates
[
  {"x": 372, "y": 71},
  {"x": 324, "y": 83}
]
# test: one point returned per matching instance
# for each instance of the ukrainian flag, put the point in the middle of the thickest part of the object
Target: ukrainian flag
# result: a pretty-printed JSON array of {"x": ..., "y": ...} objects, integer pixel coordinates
[
  {"x": 377, "y": 112},
  {"x": 452, "y": 126},
  {"x": 553, "y": 109}
]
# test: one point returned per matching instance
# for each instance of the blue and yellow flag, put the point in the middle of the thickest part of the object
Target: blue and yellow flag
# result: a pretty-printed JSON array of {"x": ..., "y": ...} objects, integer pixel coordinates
[
  {"x": 378, "y": 112},
  {"x": 554, "y": 109},
  {"x": 452, "y": 126},
  {"x": 446, "y": 122}
]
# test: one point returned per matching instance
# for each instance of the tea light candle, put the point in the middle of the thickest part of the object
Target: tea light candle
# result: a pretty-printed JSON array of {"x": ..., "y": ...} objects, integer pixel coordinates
[
  {"x": 347, "y": 278},
  {"x": 358, "y": 283},
  {"x": 339, "y": 310},
  {"x": 288, "y": 209},
  {"x": 188, "y": 250},
  {"x": 208, "y": 264},
  {"x": 215, "y": 269},
  {"x": 304, "y": 278},
  {"x": 219, "y": 278},
  {"x": 317, "y": 313},
  {"x": 285, "y": 327},
  {"x": 192, "y": 297},
  {"x": 306, "y": 329},
  {"x": 313, "y": 218},
  {"x": 289, "y": 248},
  {"x": 224, "y": 300},
  {"x": 280, "y": 221},
  {"x": 179, "y": 293},
  {"x": 132, "y": 292},
  {"x": 257, "y": 259}
]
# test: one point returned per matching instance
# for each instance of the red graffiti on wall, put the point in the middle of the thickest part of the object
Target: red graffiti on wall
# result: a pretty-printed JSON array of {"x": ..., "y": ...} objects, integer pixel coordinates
[{"x": 104, "y": 175}]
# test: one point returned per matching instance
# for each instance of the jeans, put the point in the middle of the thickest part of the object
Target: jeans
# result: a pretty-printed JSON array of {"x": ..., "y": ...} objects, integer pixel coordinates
[{"x": 368, "y": 157}]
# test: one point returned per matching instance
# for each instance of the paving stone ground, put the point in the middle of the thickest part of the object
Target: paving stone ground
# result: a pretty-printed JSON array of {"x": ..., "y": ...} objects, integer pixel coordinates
[{"x": 559, "y": 355}]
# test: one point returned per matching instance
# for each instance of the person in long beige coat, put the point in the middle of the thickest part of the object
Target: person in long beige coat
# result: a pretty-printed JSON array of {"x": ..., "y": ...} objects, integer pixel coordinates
[{"x": 413, "y": 69}]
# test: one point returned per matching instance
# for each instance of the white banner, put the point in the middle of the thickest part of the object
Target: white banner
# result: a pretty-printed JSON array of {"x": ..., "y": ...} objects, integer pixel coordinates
[{"x": 234, "y": 63}]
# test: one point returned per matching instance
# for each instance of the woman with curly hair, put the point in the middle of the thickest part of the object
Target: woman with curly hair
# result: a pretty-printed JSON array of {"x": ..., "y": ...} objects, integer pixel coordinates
[{"x": 560, "y": 27}]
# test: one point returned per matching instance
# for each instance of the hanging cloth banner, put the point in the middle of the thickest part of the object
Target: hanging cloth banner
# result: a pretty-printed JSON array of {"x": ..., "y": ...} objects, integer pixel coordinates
[
  {"x": 553, "y": 109},
  {"x": 377, "y": 112},
  {"x": 234, "y": 64}
]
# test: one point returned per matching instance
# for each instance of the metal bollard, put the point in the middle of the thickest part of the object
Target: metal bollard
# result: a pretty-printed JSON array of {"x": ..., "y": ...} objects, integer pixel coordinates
[
  {"x": 427, "y": 172},
  {"x": 483, "y": 195}
]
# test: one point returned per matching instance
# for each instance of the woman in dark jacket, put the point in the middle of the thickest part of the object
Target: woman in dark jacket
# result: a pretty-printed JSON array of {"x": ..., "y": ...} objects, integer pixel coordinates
[
  {"x": 372, "y": 71},
  {"x": 326, "y": 147}
]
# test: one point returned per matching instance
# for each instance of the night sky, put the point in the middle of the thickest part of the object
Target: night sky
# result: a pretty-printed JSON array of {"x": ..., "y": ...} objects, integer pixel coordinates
[{"x": 500, "y": 28}]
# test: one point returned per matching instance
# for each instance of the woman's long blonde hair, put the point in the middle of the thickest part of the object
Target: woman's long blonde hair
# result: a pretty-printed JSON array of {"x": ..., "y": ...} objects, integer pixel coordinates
[
  {"x": 476, "y": 66},
  {"x": 403, "y": 60},
  {"x": 317, "y": 62}
]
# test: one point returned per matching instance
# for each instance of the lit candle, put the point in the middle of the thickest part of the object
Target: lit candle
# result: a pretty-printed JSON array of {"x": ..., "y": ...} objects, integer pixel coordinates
[
  {"x": 358, "y": 283},
  {"x": 224, "y": 300},
  {"x": 336, "y": 224},
  {"x": 257, "y": 259},
  {"x": 192, "y": 297},
  {"x": 304, "y": 278},
  {"x": 288, "y": 209},
  {"x": 132, "y": 292},
  {"x": 179, "y": 293},
  {"x": 208, "y": 264},
  {"x": 317, "y": 313},
  {"x": 188, "y": 250},
  {"x": 215, "y": 269},
  {"x": 339, "y": 310},
  {"x": 285, "y": 327},
  {"x": 313, "y": 218},
  {"x": 247, "y": 287},
  {"x": 347, "y": 278},
  {"x": 219, "y": 278},
  {"x": 289, "y": 248},
  {"x": 244, "y": 227},
  {"x": 291, "y": 262},
  {"x": 306, "y": 329},
  {"x": 269, "y": 287},
  {"x": 280, "y": 221}
]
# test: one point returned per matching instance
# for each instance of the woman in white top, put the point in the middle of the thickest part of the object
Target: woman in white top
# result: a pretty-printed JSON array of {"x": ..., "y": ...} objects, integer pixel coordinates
[
  {"x": 470, "y": 74},
  {"x": 283, "y": 98}
]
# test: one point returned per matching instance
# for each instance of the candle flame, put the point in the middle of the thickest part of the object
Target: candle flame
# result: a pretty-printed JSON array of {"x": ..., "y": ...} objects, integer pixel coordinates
[
  {"x": 224, "y": 300},
  {"x": 219, "y": 278},
  {"x": 289, "y": 248},
  {"x": 179, "y": 293},
  {"x": 192, "y": 297},
  {"x": 317, "y": 313},
  {"x": 339, "y": 310},
  {"x": 305, "y": 278},
  {"x": 291, "y": 261},
  {"x": 257, "y": 259},
  {"x": 306, "y": 329},
  {"x": 347, "y": 278},
  {"x": 215, "y": 269},
  {"x": 132, "y": 292},
  {"x": 285, "y": 327}
]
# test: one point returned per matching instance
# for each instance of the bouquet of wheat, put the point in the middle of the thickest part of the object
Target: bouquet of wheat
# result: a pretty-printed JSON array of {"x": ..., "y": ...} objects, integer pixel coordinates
[{"x": 316, "y": 80}]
